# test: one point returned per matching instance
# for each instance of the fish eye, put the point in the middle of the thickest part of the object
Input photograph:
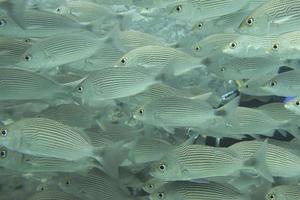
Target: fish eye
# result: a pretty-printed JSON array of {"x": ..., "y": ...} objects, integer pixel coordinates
[
  {"x": 2, "y": 22},
  {"x": 197, "y": 48},
  {"x": 297, "y": 103},
  {"x": 223, "y": 69},
  {"x": 3, "y": 154},
  {"x": 27, "y": 40},
  {"x": 275, "y": 46},
  {"x": 68, "y": 182},
  {"x": 246, "y": 86},
  {"x": 4, "y": 133},
  {"x": 271, "y": 196},
  {"x": 141, "y": 111},
  {"x": 250, "y": 21},
  {"x": 150, "y": 186},
  {"x": 232, "y": 45},
  {"x": 58, "y": 10},
  {"x": 178, "y": 8},
  {"x": 160, "y": 195},
  {"x": 162, "y": 167},
  {"x": 200, "y": 25},
  {"x": 124, "y": 61},
  {"x": 273, "y": 83},
  {"x": 27, "y": 57},
  {"x": 80, "y": 89}
]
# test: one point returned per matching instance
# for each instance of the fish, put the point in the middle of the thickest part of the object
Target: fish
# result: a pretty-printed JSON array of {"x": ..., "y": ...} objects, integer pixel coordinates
[
  {"x": 203, "y": 9},
  {"x": 26, "y": 163},
  {"x": 244, "y": 46},
  {"x": 19, "y": 84},
  {"x": 168, "y": 112},
  {"x": 185, "y": 190},
  {"x": 112, "y": 83},
  {"x": 287, "y": 192},
  {"x": 213, "y": 44},
  {"x": 285, "y": 46},
  {"x": 46, "y": 137},
  {"x": 159, "y": 59},
  {"x": 39, "y": 24},
  {"x": 186, "y": 163},
  {"x": 245, "y": 68},
  {"x": 92, "y": 185},
  {"x": 58, "y": 50},
  {"x": 276, "y": 157},
  {"x": 283, "y": 84},
  {"x": 273, "y": 17}
]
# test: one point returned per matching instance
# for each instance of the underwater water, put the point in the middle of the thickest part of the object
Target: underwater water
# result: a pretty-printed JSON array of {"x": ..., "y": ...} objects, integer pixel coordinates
[{"x": 149, "y": 99}]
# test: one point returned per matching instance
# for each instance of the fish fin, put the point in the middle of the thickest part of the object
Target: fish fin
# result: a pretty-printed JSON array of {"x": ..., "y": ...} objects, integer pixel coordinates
[
  {"x": 228, "y": 108},
  {"x": 112, "y": 157},
  {"x": 293, "y": 130},
  {"x": 258, "y": 162}
]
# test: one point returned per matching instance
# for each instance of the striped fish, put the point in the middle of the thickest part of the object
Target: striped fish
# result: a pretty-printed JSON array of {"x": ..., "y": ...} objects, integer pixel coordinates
[
  {"x": 198, "y": 161},
  {"x": 93, "y": 185},
  {"x": 182, "y": 190},
  {"x": 18, "y": 84},
  {"x": 111, "y": 83},
  {"x": 159, "y": 58},
  {"x": 193, "y": 10},
  {"x": 245, "y": 46},
  {"x": 273, "y": 17},
  {"x": 280, "y": 161},
  {"x": 46, "y": 137},
  {"x": 59, "y": 50},
  {"x": 286, "y": 46},
  {"x": 25, "y": 163}
]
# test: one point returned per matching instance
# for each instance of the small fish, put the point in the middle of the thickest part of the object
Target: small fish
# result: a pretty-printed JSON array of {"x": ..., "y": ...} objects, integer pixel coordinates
[
  {"x": 245, "y": 46},
  {"x": 19, "y": 84},
  {"x": 38, "y": 23},
  {"x": 213, "y": 44},
  {"x": 280, "y": 161},
  {"x": 203, "y": 9},
  {"x": 25, "y": 163},
  {"x": 170, "y": 112},
  {"x": 185, "y": 190},
  {"x": 273, "y": 17},
  {"x": 160, "y": 58},
  {"x": 60, "y": 49},
  {"x": 186, "y": 163},
  {"x": 46, "y": 137},
  {"x": 284, "y": 192},
  {"x": 93, "y": 185},
  {"x": 284, "y": 84},
  {"x": 245, "y": 68},
  {"x": 286, "y": 46},
  {"x": 111, "y": 83}
]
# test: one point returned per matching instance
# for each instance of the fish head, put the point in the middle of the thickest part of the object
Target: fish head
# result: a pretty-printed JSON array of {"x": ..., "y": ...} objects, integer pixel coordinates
[
  {"x": 62, "y": 10},
  {"x": 33, "y": 58},
  {"x": 123, "y": 62},
  {"x": 236, "y": 47},
  {"x": 80, "y": 91},
  {"x": 152, "y": 185},
  {"x": 4, "y": 159},
  {"x": 293, "y": 105},
  {"x": 254, "y": 24},
  {"x": 182, "y": 11},
  {"x": 165, "y": 192},
  {"x": 167, "y": 169},
  {"x": 272, "y": 85}
]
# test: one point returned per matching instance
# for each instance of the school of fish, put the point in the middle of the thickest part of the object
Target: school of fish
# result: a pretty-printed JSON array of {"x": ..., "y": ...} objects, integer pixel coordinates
[{"x": 149, "y": 99}]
